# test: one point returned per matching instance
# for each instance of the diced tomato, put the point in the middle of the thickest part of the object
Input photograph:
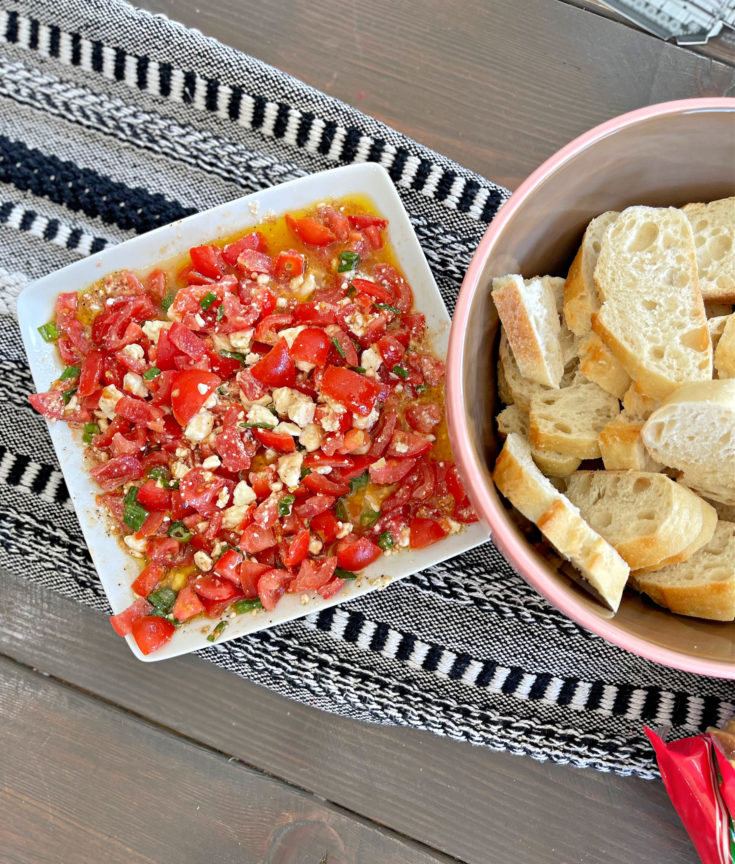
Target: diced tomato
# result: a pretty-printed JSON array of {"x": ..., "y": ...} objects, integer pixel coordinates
[
  {"x": 374, "y": 237},
  {"x": 365, "y": 220},
  {"x": 356, "y": 441},
  {"x": 186, "y": 341},
  {"x": 318, "y": 459},
  {"x": 310, "y": 231},
  {"x": 336, "y": 221},
  {"x": 424, "y": 532},
  {"x": 320, "y": 313},
  {"x": 50, "y": 404},
  {"x": 314, "y": 506},
  {"x": 347, "y": 352},
  {"x": 391, "y": 350},
  {"x": 426, "y": 484},
  {"x": 430, "y": 369},
  {"x": 148, "y": 578},
  {"x": 137, "y": 411},
  {"x": 357, "y": 553},
  {"x": 326, "y": 525},
  {"x": 360, "y": 464},
  {"x": 250, "y": 572},
  {"x": 372, "y": 289},
  {"x": 200, "y": 489},
  {"x": 256, "y": 538},
  {"x": 298, "y": 549},
  {"x": 383, "y": 434},
  {"x": 311, "y": 346},
  {"x": 268, "y": 327},
  {"x": 319, "y": 483},
  {"x": 187, "y": 604},
  {"x": 214, "y": 588},
  {"x": 232, "y": 450},
  {"x": 163, "y": 550},
  {"x": 355, "y": 391},
  {"x": 391, "y": 470},
  {"x": 117, "y": 471},
  {"x": 91, "y": 375},
  {"x": 271, "y": 586},
  {"x": 331, "y": 588},
  {"x": 207, "y": 260},
  {"x": 454, "y": 484},
  {"x": 152, "y": 633},
  {"x": 190, "y": 390},
  {"x": 387, "y": 275},
  {"x": 280, "y": 441},
  {"x": 408, "y": 445},
  {"x": 255, "y": 241},
  {"x": 463, "y": 512},
  {"x": 313, "y": 574},
  {"x": 215, "y": 608},
  {"x": 423, "y": 416},
  {"x": 277, "y": 368},
  {"x": 251, "y": 261},
  {"x": 223, "y": 367},
  {"x": 153, "y": 522},
  {"x": 289, "y": 264},
  {"x": 151, "y": 496},
  {"x": 166, "y": 352},
  {"x": 122, "y": 623}
]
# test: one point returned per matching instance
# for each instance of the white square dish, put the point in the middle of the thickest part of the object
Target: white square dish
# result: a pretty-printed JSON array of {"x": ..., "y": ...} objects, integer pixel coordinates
[{"x": 115, "y": 567}]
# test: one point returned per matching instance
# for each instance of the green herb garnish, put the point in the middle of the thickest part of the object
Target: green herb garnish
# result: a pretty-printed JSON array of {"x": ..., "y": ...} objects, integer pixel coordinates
[
  {"x": 158, "y": 472},
  {"x": 369, "y": 518},
  {"x": 285, "y": 504},
  {"x": 151, "y": 373},
  {"x": 305, "y": 472},
  {"x": 131, "y": 496},
  {"x": 241, "y": 606},
  {"x": 179, "y": 532},
  {"x": 207, "y": 300},
  {"x": 233, "y": 355},
  {"x": 134, "y": 516},
  {"x": 400, "y": 371},
  {"x": 344, "y": 574},
  {"x": 340, "y": 349},
  {"x": 68, "y": 394},
  {"x": 70, "y": 372},
  {"x": 168, "y": 299},
  {"x": 361, "y": 369},
  {"x": 388, "y": 308},
  {"x": 351, "y": 290},
  {"x": 90, "y": 430},
  {"x": 340, "y": 510},
  {"x": 386, "y": 541},
  {"x": 162, "y": 599},
  {"x": 257, "y": 425},
  {"x": 220, "y": 312},
  {"x": 419, "y": 388},
  {"x": 218, "y": 630},
  {"x": 49, "y": 332},
  {"x": 359, "y": 482},
  {"x": 348, "y": 261}
]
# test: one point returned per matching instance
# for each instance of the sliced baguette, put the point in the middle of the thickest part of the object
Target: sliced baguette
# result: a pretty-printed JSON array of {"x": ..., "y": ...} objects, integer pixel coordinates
[
  {"x": 638, "y": 406},
  {"x": 651, "y": 315},
  {"x": 701, "y": 587},
  {"x": 725, "y": 349},
  {"x": 694, "y": 432},
  {"x": 599, "y": 364},
  {"x": 512, "y": 419},
  {"x": 647, "y": 517},
  {"x": 527, "y": 310},
  {"x": 716, "y": 327},
  {"x": 622, "y": 448},
  {"x": 580, "y": 294},
  {"x": 520, "y": 389},
  {"x": 570, "y": 420},
  {"x": 713, "y": 226},
  {"x": 709, "y": 485},
  {"x": 517, "y": 477}
]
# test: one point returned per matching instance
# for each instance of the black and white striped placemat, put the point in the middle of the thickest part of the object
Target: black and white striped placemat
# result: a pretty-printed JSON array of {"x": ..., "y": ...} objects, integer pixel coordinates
[{"x": 113, "y": 122}]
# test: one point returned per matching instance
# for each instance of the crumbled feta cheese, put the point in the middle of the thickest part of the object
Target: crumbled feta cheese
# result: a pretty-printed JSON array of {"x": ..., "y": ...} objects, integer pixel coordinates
[
  {"x": 357, "y": 322},
  {"x": 311, "y": 437},
  {"x": 152, "y": 329},
  {"x": 211, "y": 462},
  {"x": 202, "y": 388},
  {"x": 323, "y": 469},
  {"x": 208, "y": 476},
  {"x": 263, "y": 279},
  {"x": 454, "y": 527},
  {"x": 211, "y": 400},
  {"x": 200, "y": 321},
  {"x": 281, "y": 303},
  {"x": 172, "y": 313},
  {"x": 379, "y": 463},
  {"x": 71, "y": 405},
  {"x": 343, "y": 529},
  {"x": 233, "y": 516},
  {"x": 368, "y": 422},
  {"x": 304, "y": 366},
  {"x": 288, "y": 428},
  {"x": 401, "y": 447},
  {"x": 242, "y": 494},
  {"x": 223, "y": 498},
  {"x": 404, "y": 537},
  {"x": 370, "y": 360},
  {"x": 290, "y": 334},
  {"x": 181, "y": 452},
  {"x": 315, "y": 546},
  {"x": 303, "y": 286},
  {"x": 109, "y": 398},
  {"x": 134, "y": 351},
  {"x": 241, "y": 339},
  {"x": 276, "y": 486},
  {"x": 137, "y": 546},
  {"x": 179, "y": 470},
  {"x": 261, "y": 414},
  {"x": 199, "y": 427},
  {"x": 202, "y": 560},
  {"x": 251, "y": 359},
  {"x": 220, "y": 342},
  {"x": 135, "y": 384},
  {"x": 289, "y": 469},
  {"x": 297, "y": 406}
]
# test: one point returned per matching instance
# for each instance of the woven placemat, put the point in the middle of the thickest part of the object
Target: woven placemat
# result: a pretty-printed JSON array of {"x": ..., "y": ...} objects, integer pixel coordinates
[{"x": 113, "y": 122}]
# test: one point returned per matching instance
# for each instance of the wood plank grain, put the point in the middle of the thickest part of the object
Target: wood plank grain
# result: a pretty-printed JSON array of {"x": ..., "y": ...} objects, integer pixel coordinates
[
  {"x": 87, "y": 783},
  {"x": 498, "y": 86},
  {"x": 452, "y": 797}
]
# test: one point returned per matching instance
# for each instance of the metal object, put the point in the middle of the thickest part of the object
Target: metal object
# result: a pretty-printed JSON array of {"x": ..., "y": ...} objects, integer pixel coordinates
[{"x": 686, "y": 21}]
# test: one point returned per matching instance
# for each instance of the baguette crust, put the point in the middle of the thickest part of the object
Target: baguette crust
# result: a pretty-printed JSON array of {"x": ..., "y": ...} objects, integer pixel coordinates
[
  {"x": 600, "y": 365},
  {"x": 622, "y": 447},
  {"x": 725, "y": 349},
  {"x": 512, "y": 419}
]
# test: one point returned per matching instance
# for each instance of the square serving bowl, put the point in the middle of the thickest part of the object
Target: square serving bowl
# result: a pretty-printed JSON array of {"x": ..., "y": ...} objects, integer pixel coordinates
[{"x": 115, "y": 567}]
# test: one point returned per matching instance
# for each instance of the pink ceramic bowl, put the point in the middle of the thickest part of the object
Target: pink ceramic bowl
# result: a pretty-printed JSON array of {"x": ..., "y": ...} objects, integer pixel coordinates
[{"x": 665, "y": 154}]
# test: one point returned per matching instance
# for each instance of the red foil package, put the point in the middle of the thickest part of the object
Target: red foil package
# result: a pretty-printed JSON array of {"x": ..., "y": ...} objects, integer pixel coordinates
[{"x": 699, "y": 775}]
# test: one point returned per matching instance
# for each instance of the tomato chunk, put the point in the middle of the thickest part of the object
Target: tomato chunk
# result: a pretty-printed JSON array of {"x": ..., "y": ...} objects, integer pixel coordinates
[
  {"x": 187, "y": 604},
  {"x": 386, "y": 471},
  {"x": 122, "y": 623},
  {"x": 189, "y": 391},
  {"x": 280, "y": 441},
  {"x": 311, "y": 346},
  {"x": 353, "y": 390},
  {"x": 277, "y": 368},
  {"x": 424, "y": 532},
  {"x": 271, "y": 586},
  {"x": 357, "y": 554},
  {"x": 289, "y": 264},
  {"x": 147, "y": 579},
  {"x": 311, "y": 231},
  {"x": 313, "y": 574},
  {"x": 152, "y": 633}
]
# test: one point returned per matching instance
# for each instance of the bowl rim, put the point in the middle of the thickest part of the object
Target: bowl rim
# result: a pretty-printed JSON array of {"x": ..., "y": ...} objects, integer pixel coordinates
[{"x": 518, "y": 553}]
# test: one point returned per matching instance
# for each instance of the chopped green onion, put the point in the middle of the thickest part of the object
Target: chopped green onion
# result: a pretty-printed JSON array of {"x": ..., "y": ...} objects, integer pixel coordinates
[
  {"x": 70, "y": 372},
  {"x": 400, "y": 371},
  {"x": 151, "y": 373},
  {"x": 131, "y": 496},
  {"x": 172, "y": 484},
  {"x": 285, "y": 505},
  {"x": 162, "y": 599},
  {"x": 348, "y": 261},
  {"x": 179, "y": 532},
  {"x": 305, "y": 472},
  {"x": 220, "y": 312},
  {"x": 134, "y": 516},
  {"x": 419, "y": 388},
  {"x": 90, "y": 430},
  {"x": 68, "y": 394},
  {"x": 361, "y": 369},
  {"x": 272, "y": 409},
  {"x": 340, "y": 510},
  {"x": 257, "y": 425},
  {"x": 388, "y": 308},
  {"x": 241, "y": 606},
  {"x": 340, "y": 349},
  {"x": 207, "y": 300},
  {"x": 359, "y": 482},
  {"x": 351, "y": 290},
  {"x": 369, "y": 518},
  {"x": 233, "y": 355},
  {"x": 340, "y": 573},
  {"x": 158, "y": 472},
  {"x": 217, "y": 631},
  {"x": 49, "y": 332},
  {"x": 386, "y": 541},
  {"x": 168, "y": 299},
  {"x": 222, "y": 391}
]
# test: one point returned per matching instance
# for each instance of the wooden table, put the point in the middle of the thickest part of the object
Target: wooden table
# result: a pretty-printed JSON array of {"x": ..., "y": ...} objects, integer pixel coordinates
[{"x": 105, "y": 759}]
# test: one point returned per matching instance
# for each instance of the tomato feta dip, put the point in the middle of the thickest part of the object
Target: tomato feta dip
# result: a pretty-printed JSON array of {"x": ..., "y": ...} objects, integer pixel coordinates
[{"x": 264, "y": 418}]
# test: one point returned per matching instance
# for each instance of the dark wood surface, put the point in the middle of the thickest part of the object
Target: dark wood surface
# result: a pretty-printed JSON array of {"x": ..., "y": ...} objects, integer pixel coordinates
[{"x": 108, "y": 759}]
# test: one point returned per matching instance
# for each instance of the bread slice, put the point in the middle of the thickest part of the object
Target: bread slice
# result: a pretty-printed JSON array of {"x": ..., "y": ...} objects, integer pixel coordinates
[
  {"x": 647, "y": 517},
  {"x": 637, "y": 405},
  {"x": 694, "y": 432},
  {"x": 570, "y": 420},
  {"x": 716, "y": 327},
  {"x": 652, "y": 315},
  {"x": 527, "y": 310},
  {"x": 603, "y": 571},
  {"x": 580, "y": 294},
  {"x": 622, "y": 448},
  {"x": 512, "y": 419},
  {"x": 567, "y": 339},
  {"x": 713, "y": 226},
  {"x": 599, "y": 364},
  {"x": 708, "y": 485},
  {"x": 701, "y": 587},
  {"x": 520, "y": 389},
  {"x": 725, "y": 349}
]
